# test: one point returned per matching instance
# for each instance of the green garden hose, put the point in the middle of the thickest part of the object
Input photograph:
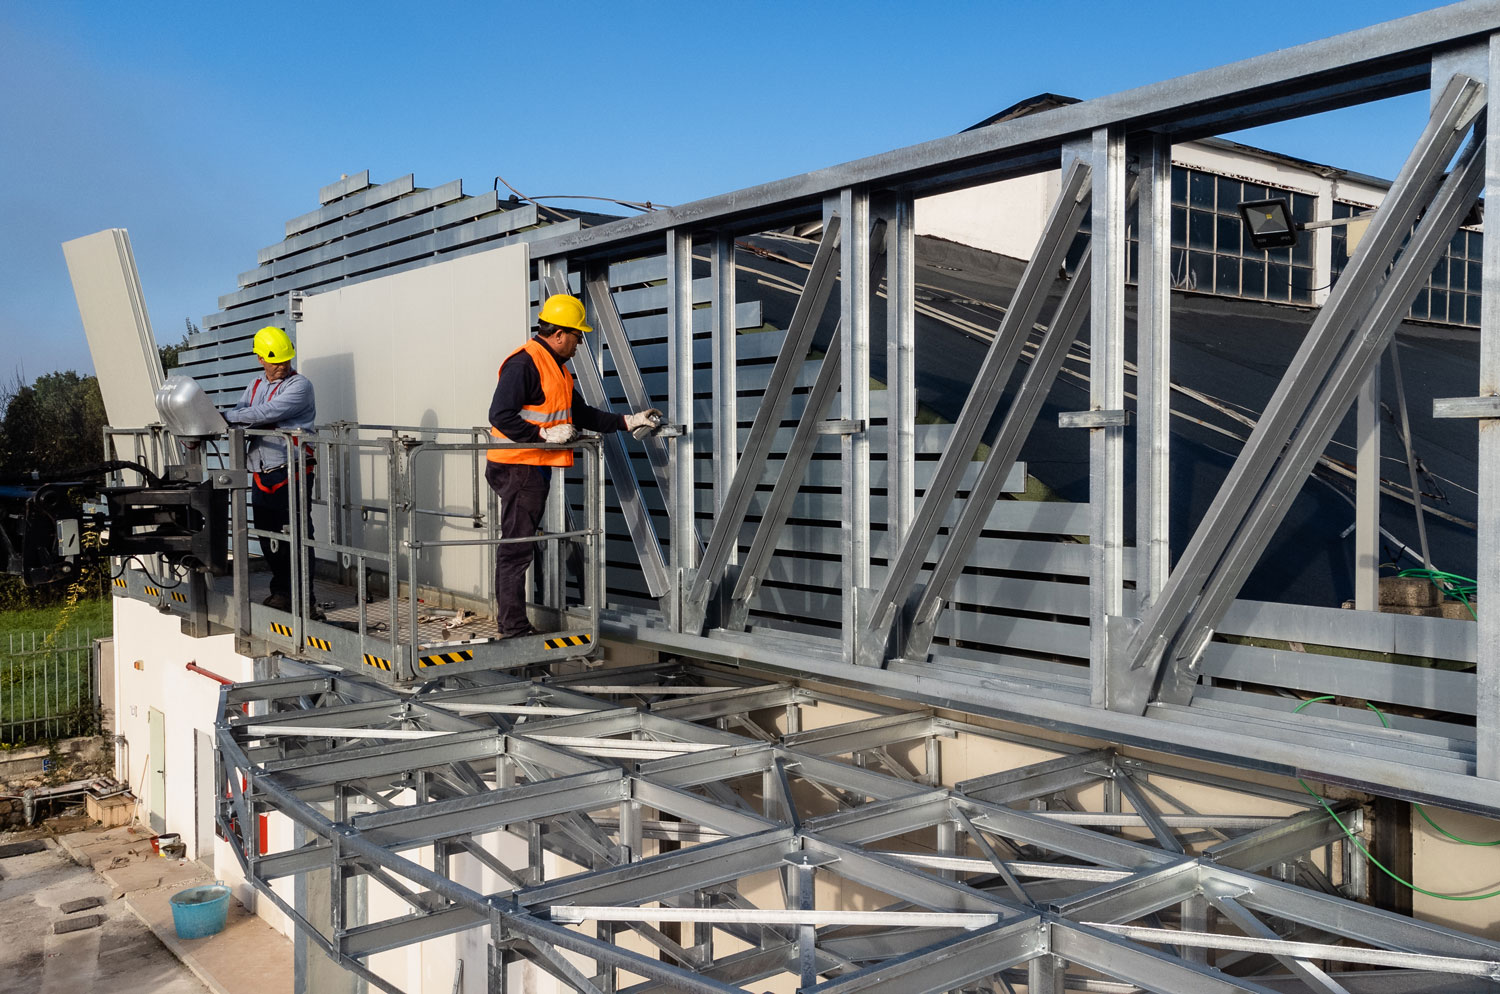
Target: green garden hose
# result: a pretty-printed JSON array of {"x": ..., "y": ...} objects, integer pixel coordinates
[
  {"x": 1354, "y": 839},
  {"x": 1449, "y": 583}
]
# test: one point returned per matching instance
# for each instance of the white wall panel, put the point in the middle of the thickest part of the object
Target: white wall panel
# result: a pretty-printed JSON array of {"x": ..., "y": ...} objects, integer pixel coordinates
[
  {"x": 113, "y": 310},
  {"x": 422, "y": 349}
]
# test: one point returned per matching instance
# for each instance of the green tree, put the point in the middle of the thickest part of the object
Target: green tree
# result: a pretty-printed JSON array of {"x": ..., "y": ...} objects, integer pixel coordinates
[{"x": 54, "y": 424}]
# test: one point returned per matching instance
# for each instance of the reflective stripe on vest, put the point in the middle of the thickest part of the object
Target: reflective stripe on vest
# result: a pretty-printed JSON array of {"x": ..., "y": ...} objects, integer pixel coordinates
[{"x": 556, "y": 408}]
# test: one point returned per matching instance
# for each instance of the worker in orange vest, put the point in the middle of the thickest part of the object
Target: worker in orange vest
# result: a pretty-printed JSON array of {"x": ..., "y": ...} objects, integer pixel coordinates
[{"x": 535, "y": 402}]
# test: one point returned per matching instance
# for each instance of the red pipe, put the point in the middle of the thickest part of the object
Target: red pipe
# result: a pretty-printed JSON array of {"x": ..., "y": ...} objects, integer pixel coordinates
[{"x": 195, "y": 668}]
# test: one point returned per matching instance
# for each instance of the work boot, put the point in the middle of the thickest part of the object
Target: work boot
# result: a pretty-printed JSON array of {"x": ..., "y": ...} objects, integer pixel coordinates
[{"x": 280, "y": 602}]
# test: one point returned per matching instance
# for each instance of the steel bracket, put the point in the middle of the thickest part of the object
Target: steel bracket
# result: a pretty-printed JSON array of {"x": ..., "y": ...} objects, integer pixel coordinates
[
  {"x": 1093, "y": 419},
  {"x": 1466, "y": 407}
]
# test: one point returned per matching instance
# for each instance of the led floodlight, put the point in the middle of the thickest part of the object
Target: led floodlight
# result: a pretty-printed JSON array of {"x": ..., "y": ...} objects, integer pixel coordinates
[{"x": 1269, "y": 222}]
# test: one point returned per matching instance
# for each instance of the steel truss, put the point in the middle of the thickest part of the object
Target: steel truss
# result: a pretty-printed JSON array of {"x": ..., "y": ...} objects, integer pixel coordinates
[
  {"x": 1151, "y": 624},
  {"x": 676, "y": 829}
]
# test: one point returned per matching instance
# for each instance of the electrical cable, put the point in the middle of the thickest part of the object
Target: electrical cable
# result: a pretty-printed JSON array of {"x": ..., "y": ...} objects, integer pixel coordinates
[
  {"x": 1354, "y": 839},
  {"x": 640, "y": 205},
  {"x": 540, "y": 207}
]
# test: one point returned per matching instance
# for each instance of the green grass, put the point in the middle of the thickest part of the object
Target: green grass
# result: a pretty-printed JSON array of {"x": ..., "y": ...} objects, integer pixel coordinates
[
  {"x": 46, "y": 696},
  {"x": 94, "y": 615}
]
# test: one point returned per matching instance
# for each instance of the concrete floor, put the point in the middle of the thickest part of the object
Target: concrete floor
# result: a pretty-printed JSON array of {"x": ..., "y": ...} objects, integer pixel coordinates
[{"x": 121, "y": 955}]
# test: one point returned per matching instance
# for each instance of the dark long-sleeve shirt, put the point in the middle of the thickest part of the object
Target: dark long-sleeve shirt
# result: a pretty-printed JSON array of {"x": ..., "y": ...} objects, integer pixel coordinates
[{"x": 521, "y": 384}]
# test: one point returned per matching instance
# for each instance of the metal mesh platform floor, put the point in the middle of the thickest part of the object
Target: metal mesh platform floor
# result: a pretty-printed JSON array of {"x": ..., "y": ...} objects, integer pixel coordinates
[{"x": 341, "y": 605}]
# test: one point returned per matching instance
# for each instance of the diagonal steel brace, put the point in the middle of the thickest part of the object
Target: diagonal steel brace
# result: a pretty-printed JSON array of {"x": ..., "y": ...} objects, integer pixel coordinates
[{"x": 1341, "y": 348}]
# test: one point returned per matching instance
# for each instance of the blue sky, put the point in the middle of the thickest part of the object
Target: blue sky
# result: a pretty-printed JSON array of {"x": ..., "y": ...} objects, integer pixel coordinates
[{"x": 202, "y": 127}]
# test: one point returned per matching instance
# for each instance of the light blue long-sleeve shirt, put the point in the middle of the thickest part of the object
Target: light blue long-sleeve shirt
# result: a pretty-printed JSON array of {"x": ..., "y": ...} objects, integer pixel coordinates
[{"x": 287, "y": 403}]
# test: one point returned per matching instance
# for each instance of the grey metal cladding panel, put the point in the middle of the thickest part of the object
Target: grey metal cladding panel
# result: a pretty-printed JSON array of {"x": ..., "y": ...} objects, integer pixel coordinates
[
  {"x": 1440, "y": 638},
  {"x": 1028, "y": 634},
  {"x": 343, "y": 187},
  {"x": 241, "y": 315},
  {"x": 646, "y": 269},
  {"x": 309, "y": 248},
  {"x": 1017, "y": 555},
  {"x": 484, "y": 233},
  {"x": 654, "y": 298},
  {"x": 827, "y": 507},
  {"x": 332, "y": 271},
  {"x": 357, "y": 202},
  {"x": 1005, "y": 593},
  {"x": 747, "y": 314},
  {"x": 367, "y": 219},
  {"x": 755, "y": 349},
  {"x": 389, "y": 234},
  {"x": 1390, "y": 683}
]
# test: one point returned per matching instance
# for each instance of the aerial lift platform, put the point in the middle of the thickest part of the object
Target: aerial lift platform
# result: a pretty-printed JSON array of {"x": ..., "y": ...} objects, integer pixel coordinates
[{"x": 178, "y": 549}]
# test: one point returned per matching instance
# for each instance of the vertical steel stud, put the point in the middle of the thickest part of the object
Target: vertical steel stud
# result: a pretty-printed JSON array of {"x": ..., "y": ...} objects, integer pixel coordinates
[
  {"x": 1106, "y": 393},
  {"x": 854, "y": 403}
]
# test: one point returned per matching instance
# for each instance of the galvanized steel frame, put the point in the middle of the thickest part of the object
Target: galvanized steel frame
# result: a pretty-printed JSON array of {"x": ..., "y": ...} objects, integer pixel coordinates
[
  {"x": 1048, "y": 888},
  {"x": 1130, "y": 676}
]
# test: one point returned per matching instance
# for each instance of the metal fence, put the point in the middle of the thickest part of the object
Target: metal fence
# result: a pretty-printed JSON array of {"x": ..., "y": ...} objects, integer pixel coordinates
[{"x": 48, "y": 690}]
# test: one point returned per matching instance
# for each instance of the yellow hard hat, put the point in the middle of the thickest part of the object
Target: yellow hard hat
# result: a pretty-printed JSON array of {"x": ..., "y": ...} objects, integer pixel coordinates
[
  {"x": 565, "y": 311},
  {"x": 273, "y": 344}
]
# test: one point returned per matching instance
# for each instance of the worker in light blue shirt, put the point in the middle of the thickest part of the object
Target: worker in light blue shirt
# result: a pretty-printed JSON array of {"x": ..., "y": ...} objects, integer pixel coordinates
[{"x": 282, "y": 398}]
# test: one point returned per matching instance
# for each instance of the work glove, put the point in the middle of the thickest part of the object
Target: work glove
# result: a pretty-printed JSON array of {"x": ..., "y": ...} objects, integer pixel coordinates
[
  {"x": 644, "y": 424},
  {"x": 559, "y": 433}
]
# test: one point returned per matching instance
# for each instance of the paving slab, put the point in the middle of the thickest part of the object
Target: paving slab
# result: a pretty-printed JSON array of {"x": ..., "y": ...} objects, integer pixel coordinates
[
  {"x": 100, "y": 848},
  {"x": 82, "y": 904},
  {"x": 22, "y": 848},
  {"x": 247, "y": 957},
  {"x": 78, "y": 924},
  {"x": 120, "y": 956}
]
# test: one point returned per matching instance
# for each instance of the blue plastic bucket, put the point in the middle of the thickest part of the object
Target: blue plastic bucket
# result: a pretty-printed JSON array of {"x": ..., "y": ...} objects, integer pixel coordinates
[{"x": 200, "y": 911}]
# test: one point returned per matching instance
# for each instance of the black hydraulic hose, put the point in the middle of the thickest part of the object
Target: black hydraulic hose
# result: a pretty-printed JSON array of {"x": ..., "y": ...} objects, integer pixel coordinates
[{"x": 80, "y": 475}]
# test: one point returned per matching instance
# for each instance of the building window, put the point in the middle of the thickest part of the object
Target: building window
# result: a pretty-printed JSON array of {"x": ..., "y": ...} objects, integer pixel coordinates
[
  {"x": 1211, "y": 252},
  {"x": 1451, "y": 293}
]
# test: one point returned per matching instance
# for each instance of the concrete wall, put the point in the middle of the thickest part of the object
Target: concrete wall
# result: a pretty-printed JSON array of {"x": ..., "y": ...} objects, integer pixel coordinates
[
  {"x": 151, "y": 657},
  {"x": 1003, "y": 217}
]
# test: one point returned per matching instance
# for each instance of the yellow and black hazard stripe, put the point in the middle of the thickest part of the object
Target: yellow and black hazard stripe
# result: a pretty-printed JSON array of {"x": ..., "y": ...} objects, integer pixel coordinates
[
  {"x": 281, "y": 629},
  {"x": 377, "y": 662},
  {"x": 179, "y": 597},
  {"x": 460, "y": 656},
  {"x": 567, "y": 641},
  {"x": 153, "y": 591},
  {"x": 119, "y": 581},
  {"x": 318, "y": 643}
]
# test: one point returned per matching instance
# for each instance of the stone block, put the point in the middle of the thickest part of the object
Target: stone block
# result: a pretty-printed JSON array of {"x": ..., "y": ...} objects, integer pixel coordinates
[
  {"x": 78, "y": 924},
  {"x": 1459, "y": 611},
  {"x": 82, "y": 904},
  {"x": 1408, "y": 591}
]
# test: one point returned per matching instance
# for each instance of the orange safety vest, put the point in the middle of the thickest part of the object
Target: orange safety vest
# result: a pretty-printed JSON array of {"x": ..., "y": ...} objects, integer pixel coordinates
[{"x": 556, "y": 408}]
